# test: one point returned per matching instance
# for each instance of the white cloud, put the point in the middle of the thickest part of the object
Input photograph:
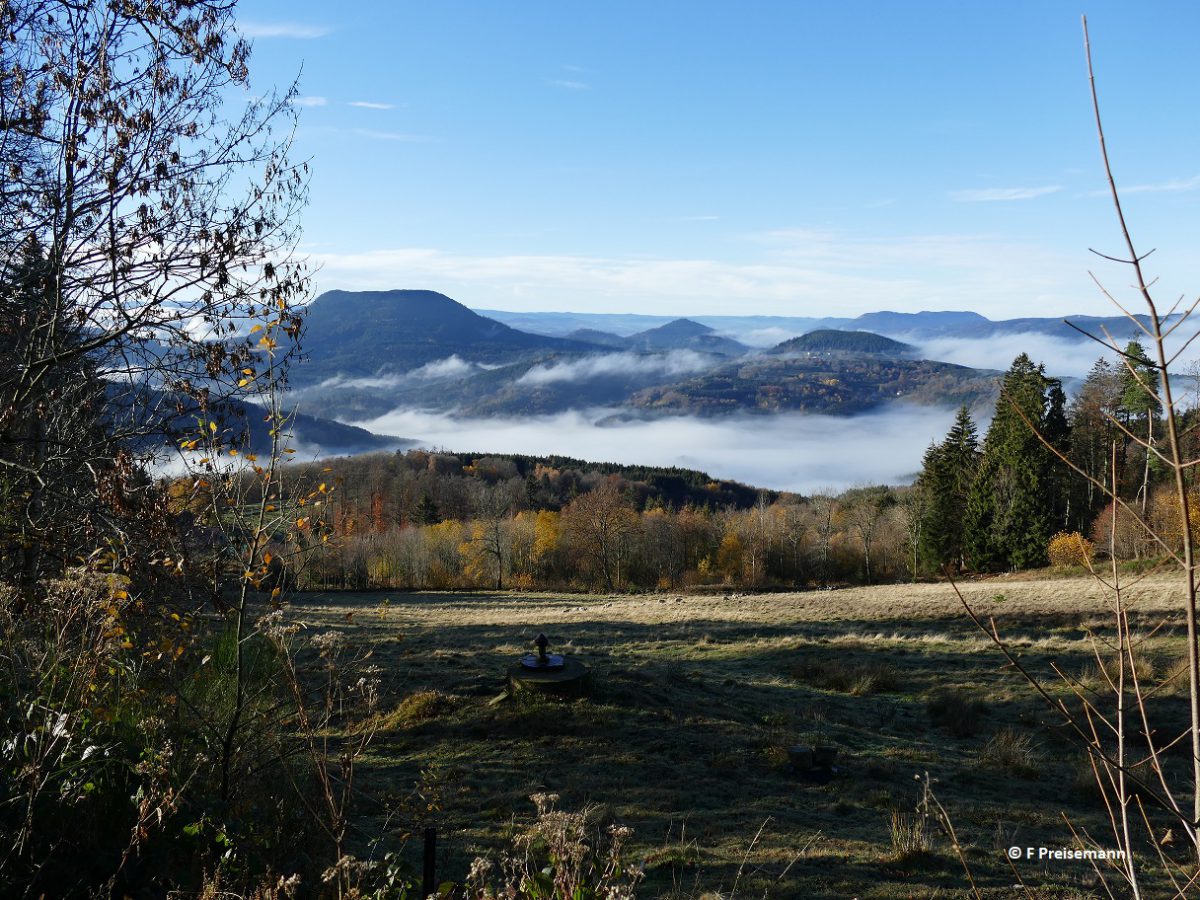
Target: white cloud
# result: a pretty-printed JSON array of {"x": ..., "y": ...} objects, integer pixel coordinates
[
  {"x": 453, "y": 366},
  {"x": 794, "y": 272},
  {"x": 987, "y": 195},
  {"x": 764, "y": 337},
  {"x": 675, "y": 362},
  {"x": 789, "y": 452},
  {"x": 310, "y": 101},
  {"x": 282, "y": 30},
  {"x": 1064, "y": 357},
  {"x": 570, "y": 84},
  {"x": 369, "y": 104}
]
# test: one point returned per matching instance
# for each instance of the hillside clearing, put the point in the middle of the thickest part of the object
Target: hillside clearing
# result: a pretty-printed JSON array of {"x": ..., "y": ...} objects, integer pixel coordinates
[{"x": 696, "y": 699}]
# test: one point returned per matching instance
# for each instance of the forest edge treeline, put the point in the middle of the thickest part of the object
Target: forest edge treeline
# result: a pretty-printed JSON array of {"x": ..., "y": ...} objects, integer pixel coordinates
[{"x": 425, "y": 519}]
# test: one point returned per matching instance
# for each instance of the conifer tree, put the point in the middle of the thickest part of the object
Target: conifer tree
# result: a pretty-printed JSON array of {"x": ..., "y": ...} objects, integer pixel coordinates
[
  {"x": 427, "y": 512},
  {"x": 1017, "y": 501},
  {"x": 948, "y": 473},
  {"x": 1139, "y": 400}
]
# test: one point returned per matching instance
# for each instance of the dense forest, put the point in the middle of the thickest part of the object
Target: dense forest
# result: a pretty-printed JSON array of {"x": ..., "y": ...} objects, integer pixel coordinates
[{"x": 1006, "y": 501}]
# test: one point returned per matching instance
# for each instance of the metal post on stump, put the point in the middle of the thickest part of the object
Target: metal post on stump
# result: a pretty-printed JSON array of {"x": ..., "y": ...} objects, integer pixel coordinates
[{"x": 429, "y": 876}]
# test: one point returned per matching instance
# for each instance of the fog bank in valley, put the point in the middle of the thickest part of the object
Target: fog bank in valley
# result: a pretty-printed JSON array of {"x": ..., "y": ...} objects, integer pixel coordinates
[{"x": 794, "y": 452}]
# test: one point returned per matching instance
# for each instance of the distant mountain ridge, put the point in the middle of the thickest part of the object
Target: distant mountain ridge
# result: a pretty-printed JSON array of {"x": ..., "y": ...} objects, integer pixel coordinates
[
  {"x": 923, "y": 325},
  {"x": 370, "y": 352}
]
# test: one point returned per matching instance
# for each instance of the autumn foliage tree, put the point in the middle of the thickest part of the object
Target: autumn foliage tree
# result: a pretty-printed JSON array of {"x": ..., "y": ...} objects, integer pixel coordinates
[{"x": 145, "y": 222}]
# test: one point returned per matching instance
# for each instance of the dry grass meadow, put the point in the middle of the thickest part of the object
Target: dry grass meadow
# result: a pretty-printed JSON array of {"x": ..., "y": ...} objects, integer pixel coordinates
[{"x": 696, "y": 699}]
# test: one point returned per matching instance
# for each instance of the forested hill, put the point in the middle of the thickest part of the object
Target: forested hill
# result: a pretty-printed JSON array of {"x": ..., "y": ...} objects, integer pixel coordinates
[
  {"x": 393, "y": 486},
  {"x": 361, "y": 333},
  {"x": 829, "y": 340},
  {"x": 833, "y": 384}
]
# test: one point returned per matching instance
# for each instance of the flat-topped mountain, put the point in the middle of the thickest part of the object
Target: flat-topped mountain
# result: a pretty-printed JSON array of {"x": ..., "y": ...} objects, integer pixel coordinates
[
  {"x": 361, "y": 333},
  {"x": 828, "y": 340}
]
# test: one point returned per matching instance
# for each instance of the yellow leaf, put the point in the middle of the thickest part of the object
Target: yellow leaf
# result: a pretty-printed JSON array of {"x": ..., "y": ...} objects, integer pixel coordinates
[
  {"x": 233, "y": 453},
  {"x": 212, "y": 426},
  {"x": 256, "y": 329},
  {"x": 242, "y": 382},
  {"x": 267, "y": 559}
]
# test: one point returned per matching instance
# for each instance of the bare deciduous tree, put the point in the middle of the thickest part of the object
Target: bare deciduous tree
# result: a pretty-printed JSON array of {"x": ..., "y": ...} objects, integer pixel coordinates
[{"x": 146, "y": 218}]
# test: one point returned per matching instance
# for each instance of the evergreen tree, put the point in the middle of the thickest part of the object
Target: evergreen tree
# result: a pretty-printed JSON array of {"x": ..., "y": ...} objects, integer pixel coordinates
[
  {"x": 1139, "y": 400},
  {"x": 427, "y": 512},
  {"x": 949, "y": 470},
  {"x": 1018, "y": 499}
]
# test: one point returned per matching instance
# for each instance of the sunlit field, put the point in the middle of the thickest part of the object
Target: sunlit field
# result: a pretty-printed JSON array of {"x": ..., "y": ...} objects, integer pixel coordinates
[{"x": 696, "y": 700}]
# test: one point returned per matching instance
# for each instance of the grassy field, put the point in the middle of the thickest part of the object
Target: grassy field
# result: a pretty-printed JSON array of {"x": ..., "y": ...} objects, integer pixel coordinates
[{"x": 697, "y": 698}]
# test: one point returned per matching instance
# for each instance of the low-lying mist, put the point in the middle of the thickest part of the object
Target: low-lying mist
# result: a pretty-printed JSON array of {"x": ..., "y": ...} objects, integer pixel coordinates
[{"x": 793, "y": 452}]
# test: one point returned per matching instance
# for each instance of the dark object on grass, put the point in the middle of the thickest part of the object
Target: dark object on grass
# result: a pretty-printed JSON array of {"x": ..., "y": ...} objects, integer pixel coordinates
[
  {"x": 429, "y": 874},
  {"x": 816, "y": 764},
  {"x": 550, "y": 673},
  {"x": 542, "y": 660}
]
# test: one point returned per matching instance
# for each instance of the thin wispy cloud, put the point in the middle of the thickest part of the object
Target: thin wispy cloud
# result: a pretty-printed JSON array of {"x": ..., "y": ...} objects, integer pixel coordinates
[
  {"x": 310, "y": 101},
  {"x": 1162, "y": 187},
  {"x": 397, "y": 136},
  {"x": 370, "y": 104},
  {"x": 992, "y": 195},
  {"x": 570, "y": 84},
  {"x": 293, "y": 30}
]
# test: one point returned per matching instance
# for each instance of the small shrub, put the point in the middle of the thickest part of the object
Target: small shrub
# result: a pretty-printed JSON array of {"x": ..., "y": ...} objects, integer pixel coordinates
[
  {"x": 422, "y": 706},
  {"x": 560, "y": 855},
  {"x": 911, "y": 837},
  {"x": 776, "y": 757},
  {"x": 1070, "y": 548},
  {"x": 848, "y": 676},
  {"x": 1014, "y": 751},
  {"x": 956, "y": 712},
  {"x": 1099, "y": 679}
]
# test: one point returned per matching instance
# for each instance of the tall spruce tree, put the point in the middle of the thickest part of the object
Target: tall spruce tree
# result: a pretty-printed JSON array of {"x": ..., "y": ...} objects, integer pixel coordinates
[
  {"x": 1139, "y": 401},
  {"x": 949, "y": 471},
  {"x": 1018, "y": 499}
]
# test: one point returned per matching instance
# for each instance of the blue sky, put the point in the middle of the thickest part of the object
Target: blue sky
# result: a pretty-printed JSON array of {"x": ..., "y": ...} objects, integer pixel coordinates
[{"x": 782, "y": 158}]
